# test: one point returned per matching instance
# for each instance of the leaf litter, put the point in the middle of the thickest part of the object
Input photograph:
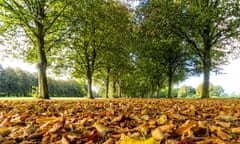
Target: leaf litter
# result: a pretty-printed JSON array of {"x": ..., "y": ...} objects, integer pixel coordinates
[{"x": 121, "y": 121}]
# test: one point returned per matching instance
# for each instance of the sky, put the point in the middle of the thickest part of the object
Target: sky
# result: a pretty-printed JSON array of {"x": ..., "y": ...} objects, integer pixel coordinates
[{"x": 230, "y": 81}]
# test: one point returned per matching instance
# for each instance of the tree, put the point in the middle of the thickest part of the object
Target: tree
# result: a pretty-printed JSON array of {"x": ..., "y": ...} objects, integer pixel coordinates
[
  {"x": 214, "y": 91},
  {"x": 117, "y": 45},
  {"x": 39, "y": 20},
  {"x": 96, "y": 28},
  {"x": 217, "y": 91},
  {"x": 209, "y": 27},
  {"x": 166, "y": 53},
  {"x": 186, "y": 91}
]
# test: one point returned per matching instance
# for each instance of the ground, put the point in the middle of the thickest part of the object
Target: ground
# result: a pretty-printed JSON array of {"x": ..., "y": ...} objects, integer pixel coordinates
[{"x": 120, "y": 121}]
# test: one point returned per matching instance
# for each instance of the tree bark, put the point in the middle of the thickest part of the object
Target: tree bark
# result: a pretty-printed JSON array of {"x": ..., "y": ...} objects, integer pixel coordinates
[
  {"x": 169, "y": 87},
  {"x": 114, "y": 88},
  {"x": 42, "y": 64},
  {"x": 120, "y": 88},
  {"x": 206, "y": 61},
  {"x": 90, "y": 94},
  {"x": 206, "y": 73},
  {"x": 107, "y": 83}
]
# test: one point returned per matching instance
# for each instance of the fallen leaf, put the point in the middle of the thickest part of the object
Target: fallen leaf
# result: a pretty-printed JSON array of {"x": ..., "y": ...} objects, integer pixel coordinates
[
  {"x": 101, "y": 129},
  {"x": 4, "y": 131},
  {"x": 186, "y": 127},
  {"x": 117, "y": 119},
  {"x": 157, "y": 134},
  {"x": 223, "y": 124},
  {"x": 226, "y": 117},
  {"x": 235, "y": 130},
  {"x": 128, "y": 140},
  {"x": 223, "y": 135},
  {"x": 162, "y": 119},
  {"x": 65, "y": 140}
]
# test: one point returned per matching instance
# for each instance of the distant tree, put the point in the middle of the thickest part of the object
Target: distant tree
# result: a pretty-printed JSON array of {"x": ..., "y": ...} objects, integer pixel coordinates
[
  {"x": 160, "y": 48},
  {"x": 97, "y": 39},
  {"x": 186, "y": 91},
  {"x": 214, "y": 91},
  {"x": 217, "y": 91}
]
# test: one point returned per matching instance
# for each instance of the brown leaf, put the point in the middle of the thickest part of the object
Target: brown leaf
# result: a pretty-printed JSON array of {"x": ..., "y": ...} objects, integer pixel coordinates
[
  {"x": 143, "y": 128},
  {"x": 235, "y": 130},
  {"x": 101, "y": 129},
  {"x": 226, "y": 117},
  {"x": 55, "y": 127},
  {"x": 186, "y": 127},
  {"x": 65, "y": 140},
  {"x": 117, "y": 119},
  {"x": 223, "y": 135},
  {"x": 223, "y": 124},
  {"x": 167, "y": 128}
]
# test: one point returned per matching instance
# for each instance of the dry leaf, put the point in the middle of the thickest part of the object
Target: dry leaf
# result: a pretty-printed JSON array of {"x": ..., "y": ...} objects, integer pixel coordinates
[
  {"x": 186, "y": 127},
  {"x": 4, "y": 131},
  {"x": 235, "y": 130},
  {"x": 223, "y": 124},
  {"x": 157, "y": 134},
  {"x": 162, "y": 119},
  {"x": 65, "y": 140},
  {"x": 101, "y": 129},
  {"x": 117, "y": 119},
  {"x": 223, "y": 135},
  {"x": 128, "y": 140}
]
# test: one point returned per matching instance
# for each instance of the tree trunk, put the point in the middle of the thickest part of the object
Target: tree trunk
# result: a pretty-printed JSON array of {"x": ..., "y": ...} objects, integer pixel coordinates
[
  {"x": 206, "y": 73},
  {"x": 120, "y": 88},
  {"x": 90, "y": 94},
  {"x": 169, "y": 87},
  {"x": 114, "y": 88},
  {"x": 42, "y": 65},
  {"x": 107, "y": 83}
]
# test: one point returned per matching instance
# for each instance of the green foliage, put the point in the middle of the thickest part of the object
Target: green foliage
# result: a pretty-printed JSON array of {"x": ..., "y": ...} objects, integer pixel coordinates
[
  {"x": 206, "y": 27},
  {"x": 214, "y": 91},
  {"x": 186, "y": 91},
  {"x": 34, "y": 92},
  {"x": 16, "y": 82}
]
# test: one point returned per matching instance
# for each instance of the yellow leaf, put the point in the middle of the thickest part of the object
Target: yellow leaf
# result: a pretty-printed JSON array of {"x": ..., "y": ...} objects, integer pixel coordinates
[
  {"x": 135, "y": 141},
  {"x": 235, "y": 130},
  {"x": 47, "y": 119},
  {"x": 157, "y": 134},
  {"x": 4, "y": 131},
  {"x": 162, "y": 119}
]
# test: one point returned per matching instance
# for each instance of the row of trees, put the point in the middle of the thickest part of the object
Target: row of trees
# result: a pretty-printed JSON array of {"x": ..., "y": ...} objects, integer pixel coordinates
[
  {"x": 190, "y": 92},
  {"x": 16, "y": 82},
  {"x": 131, "y": 51}
]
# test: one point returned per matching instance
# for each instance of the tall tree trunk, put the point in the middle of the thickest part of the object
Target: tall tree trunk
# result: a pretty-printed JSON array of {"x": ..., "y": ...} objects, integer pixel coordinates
[
  {"x": 206, "y": 73},
  {"x": 114, "y": 88},
  {"x": 120, "y": 88},
  {"x": 206, "y": 61},
  {"x": 42, "y": 64},
  {"x": 170, "y": 86},
  {"x": 107, "y": 82},
  {"x": 90, "y": 94}
]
